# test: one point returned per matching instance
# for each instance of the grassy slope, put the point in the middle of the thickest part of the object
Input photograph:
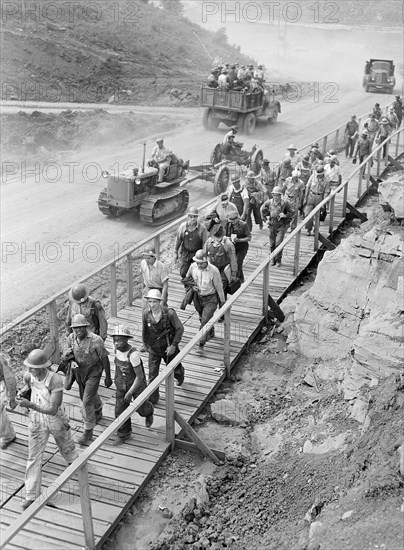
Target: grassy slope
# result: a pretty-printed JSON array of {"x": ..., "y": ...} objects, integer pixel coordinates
[{"x": 148, "y": 52}]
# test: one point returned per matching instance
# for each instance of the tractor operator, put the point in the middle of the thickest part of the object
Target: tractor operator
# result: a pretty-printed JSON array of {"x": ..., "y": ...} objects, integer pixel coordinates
[{"x": 162, "y": 156}]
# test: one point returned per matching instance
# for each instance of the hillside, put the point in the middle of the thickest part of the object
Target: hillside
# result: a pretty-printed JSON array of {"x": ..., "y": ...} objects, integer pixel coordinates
[{"x": 86, "y": 52}]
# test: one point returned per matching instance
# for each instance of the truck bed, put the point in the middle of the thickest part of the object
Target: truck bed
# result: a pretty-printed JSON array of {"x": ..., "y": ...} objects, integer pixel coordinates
[{"x": 241, "y": 102}]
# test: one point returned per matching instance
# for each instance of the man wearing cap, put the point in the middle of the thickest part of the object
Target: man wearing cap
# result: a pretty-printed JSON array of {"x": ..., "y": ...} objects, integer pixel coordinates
[
  {"x": 222, "y": 209},
  {"x": 267, "y": 177},
  {"x": 305, "y": 169},
  {"x": 161, "y": 334},
  {"x": 284, "y": 171},
  {"x": 191, "y": 236},
  {"x": 372, "y": 127},
  {"x": 256, "y": 195},
  {"x": 80, "y": 301},
  {"x": 46, "y": 416},
  {"x": 293, "y": 192},
  {"x": 292, "y": 154},
  {"x": 232, "y": 153},
  {"x": 278, "y": 212},
  {"x": 238, "y": 195},
  {"x": 221, "y": 253},
  {"x": 155, "y": 274},
  {"x": 240, "y": 235},
  {"x": 88, "y": 351},
  {"x": 161, "y": 155},
  {"x": 208, "y": 291},
  {"x": 8, "y": 391},
  {"x": 130, "y": 382},
  {"x": 232, "y": 132},
  {"x": 318, "y": 187},
  {"x": 363, "y": 148},
  {"x": 383, "y": 133},
  {"x": 333, "y": 172},
  {"x": 315, "y": 151},
  {"x": 351, "y": 135}
]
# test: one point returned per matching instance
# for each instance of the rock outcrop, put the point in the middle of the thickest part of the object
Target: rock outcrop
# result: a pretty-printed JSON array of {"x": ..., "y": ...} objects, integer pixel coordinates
[{"x": 391, "y": 196}]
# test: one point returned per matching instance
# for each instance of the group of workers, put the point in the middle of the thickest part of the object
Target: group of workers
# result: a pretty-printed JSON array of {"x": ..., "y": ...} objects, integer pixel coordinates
[
  {"x": 237, "y": 77},
  {"x": 210, "y": 252}
]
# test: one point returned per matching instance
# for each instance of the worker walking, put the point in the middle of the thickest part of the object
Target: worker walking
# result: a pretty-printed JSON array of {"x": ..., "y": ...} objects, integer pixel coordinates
[
  {"x": 130, "y": 382},
  {"x": 318, "y": 187},
  {"x": 8, "y": 391},
  {"x": 278, "y": 212},
  {"x": 161, "y": 333},
  {"x": 80, "y": 301},
  {"x": 46, "y": 416},
  {"x": 87, "y": 350},
  {"x": 191, "y": 236}
]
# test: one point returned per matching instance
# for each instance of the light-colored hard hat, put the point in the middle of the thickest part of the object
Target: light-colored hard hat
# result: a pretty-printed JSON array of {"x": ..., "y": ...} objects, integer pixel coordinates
[
  {"x": 235, "y": 178},
  {"x": 121, "y": 330},
  {"x": 37, "y": 360},
  {"x": 154, "y": 294},
  {"x": 79, "y": 293},
  {"x": 292, "y": 147},
  {"x": 79, "y": 321},
  {"x": 193, "y": 210},
  {"x": 277, "y": 190},
  {"x": 295, "y": 174},
  {"x": 200, "y": 257},
  {"x": 250, "y": 174}
]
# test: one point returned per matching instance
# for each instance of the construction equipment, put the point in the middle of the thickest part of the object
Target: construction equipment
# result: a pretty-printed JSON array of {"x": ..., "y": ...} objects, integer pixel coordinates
[
  {"x": 238, "y": 108},
  {"x": 379, "y": 75}
]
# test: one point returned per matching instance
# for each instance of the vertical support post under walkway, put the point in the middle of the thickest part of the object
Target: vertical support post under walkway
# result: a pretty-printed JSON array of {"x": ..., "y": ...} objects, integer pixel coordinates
[
  {"x": 226, "y": 346},
  {"x": 129, "y": 267},
  {"x": 331, "y": 220},
  {"x": 265, "y": 291},
  {"x": 170, "y": 423},
  {"x": 85, "y": 501},
  {"x": 297, "y": 254}
]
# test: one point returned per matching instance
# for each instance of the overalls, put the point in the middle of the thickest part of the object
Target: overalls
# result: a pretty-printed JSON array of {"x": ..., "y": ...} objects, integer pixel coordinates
[
  {"x": 191, "y": 242},
  {"x": 39, "y": 427},
  {"x": 7, "y": 432}
]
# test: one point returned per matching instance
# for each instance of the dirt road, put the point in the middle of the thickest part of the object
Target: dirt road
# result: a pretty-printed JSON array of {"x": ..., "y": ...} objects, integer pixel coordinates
[{"x": 52, "y": 231}]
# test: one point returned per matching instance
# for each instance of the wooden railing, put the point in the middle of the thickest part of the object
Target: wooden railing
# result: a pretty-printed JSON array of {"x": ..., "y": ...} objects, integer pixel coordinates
[{"x": 80, "y": 465}]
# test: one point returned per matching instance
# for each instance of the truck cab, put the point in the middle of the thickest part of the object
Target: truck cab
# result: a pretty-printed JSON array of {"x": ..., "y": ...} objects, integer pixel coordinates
[{"x": 379, "y": 75}]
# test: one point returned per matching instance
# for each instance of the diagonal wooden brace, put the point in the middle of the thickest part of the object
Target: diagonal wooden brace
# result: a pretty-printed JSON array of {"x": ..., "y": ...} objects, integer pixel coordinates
[
  {"x": 196, "y": 439},
  {"x": 326, "y": 242},
  {"x": 355, "y": 213}
]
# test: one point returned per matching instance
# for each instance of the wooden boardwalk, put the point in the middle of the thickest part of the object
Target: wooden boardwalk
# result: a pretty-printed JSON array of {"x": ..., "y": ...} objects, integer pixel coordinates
[{"x": 118, "y": 474}]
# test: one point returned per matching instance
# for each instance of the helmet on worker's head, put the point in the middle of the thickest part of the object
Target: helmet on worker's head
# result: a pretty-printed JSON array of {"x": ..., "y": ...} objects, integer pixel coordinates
[
  {"x": 121, "y": 330},
  {"x": 79, "y": 320},
  {"x": 315, "y": 145},
  {"x": 320, "y": 169},
  {"x": 193, "y": 211},
  {"x": 154, "y": 294},
  {"x": 292, "y": 148},
  {"x": 79, "y": 293},
  {"x": 306, "y": 158},
  {"x": 296, "y": 173},
  {"x": 235, "y": 178},
  {"x": 365, "y": 133},
  {"x": 160, "y": 140},
  {"x": 384, "y": 121},
  {"x": 288, "y": 161},
  {"x": 250, "y": 174},
  {"x": 200, "y": 257},
  {"x": 332, "y": 152},
  {"x": 334, "y": 159},
  {"x": 277, "y": 190},
  {"x": 37, "y": 359},
  {"x": 234, "y": 128},
  {"x": 353, "y": 116},
  {"x": 326, "y": 160},
  {"x": 231, "y": 136},
  {"x": 149, "y": 253}
]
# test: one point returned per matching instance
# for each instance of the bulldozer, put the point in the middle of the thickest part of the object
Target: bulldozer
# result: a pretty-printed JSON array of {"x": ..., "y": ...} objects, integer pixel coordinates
[{"x": 138, "y": 190}]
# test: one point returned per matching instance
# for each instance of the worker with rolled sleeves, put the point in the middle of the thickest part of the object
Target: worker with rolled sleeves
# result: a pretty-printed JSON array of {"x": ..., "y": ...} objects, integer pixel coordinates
[
  {"x": 130, "y": 382},
  {"x": 191, "y": 236},
  {"x": 278, "y": 212},
  {"x": 155, "y": 275},
  {"x": 80, "y": 301},
  {"x": 294, "y": 193},
  {"x": 46, "y": 416},
  {"x": 161, "y": 333},
  {"x": 88, "y": 351},
  {"x": 318, "y": 187},
  {"x": 8, "y": 391}
]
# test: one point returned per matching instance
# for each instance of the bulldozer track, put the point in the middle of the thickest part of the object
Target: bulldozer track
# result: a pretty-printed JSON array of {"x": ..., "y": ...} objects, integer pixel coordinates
[{"x": 148, "y": 208}]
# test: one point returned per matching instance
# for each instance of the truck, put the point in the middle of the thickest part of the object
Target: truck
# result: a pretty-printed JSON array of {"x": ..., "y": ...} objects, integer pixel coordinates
[
  {"x": 238, "y": 108},
  {"x": 379, "y": 75}
]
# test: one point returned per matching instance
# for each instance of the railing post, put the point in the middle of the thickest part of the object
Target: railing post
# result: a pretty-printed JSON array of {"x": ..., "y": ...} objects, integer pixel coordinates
[
  {"x": 156, "y": 246},
  {"x": 297, "y": 254},
  {"x": 344, "y": 199},
  {"x": 316, "y": 229},
  {"x": 226, "y": 345},
  {"x": 368, "y": 168},
  {"x": 379, "y": 154},
  {"x": 359, "y": 193},
  {"x": 397, "y": 142},
  {"x": 265, "y": 291},
  {"x": 129, "y": 267},
  {"x": 53, "y": 330},
  {"x": 336, "y": 140},
  {"x": 325, "y": 145},
  {"x": 85, "y": 501},
  {"x": 331, "y": 220},
  {"x": 114, "y": 308},
  {"x": 170, "y": 423}
]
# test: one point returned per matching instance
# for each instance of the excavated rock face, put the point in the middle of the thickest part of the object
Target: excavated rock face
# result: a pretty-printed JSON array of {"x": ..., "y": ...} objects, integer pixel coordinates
[
  {"x": 391, "y": 194},
  {"x": 356, "y": 305}
]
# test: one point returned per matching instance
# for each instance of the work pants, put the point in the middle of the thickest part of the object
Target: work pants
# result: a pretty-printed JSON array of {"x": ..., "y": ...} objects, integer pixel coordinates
[
  {"x": 240, "y": 255},
  {"x": 255, "y": 209},
  {"x": 312, "y": 202},
  {"x": 276, "y": 235},
  {"x": 156, "y": 354},
  {"x": 350, "y": 146},
  {"x": 7, "y": 432},
  {"x": 38, "y": 435},
  {"x": 122, "y": 387},
  {"x": 185, "y": 262},
  {"x": 88, "y": 380},
  {"x": 206, "y": 307},
  {"x": 162, "y": 170}
]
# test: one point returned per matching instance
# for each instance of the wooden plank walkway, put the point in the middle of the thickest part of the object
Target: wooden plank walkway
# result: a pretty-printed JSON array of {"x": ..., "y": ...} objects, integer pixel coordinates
[{"x": 118, "y": 474}]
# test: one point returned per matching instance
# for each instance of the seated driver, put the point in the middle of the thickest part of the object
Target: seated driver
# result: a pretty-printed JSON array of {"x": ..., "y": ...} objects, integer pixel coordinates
[
  {"x": 234, "y": 154},
  {"x": 161, "y": 155}
]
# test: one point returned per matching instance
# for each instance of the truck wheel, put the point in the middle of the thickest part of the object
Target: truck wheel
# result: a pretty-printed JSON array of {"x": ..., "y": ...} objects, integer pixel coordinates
[
  {"x": 221, "y": 181},
  {"x": 213, "y": 123},
  {"x": 216, "y": 154},
  {"x": 249, "y": 123},
  {"x": 240, "y": 123},
  {"x": 274, "y": 117},
  {"x": 205, "y": 118}
]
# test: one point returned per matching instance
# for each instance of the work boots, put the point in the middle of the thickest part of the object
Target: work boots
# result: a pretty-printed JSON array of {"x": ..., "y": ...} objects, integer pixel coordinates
[{"x": 87, "y": 436}]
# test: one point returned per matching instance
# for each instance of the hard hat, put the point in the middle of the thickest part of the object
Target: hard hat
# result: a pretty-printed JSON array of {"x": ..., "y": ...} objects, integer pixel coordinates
[
  {"x": 295, "y": 173},
  {"x": 288, "y": 161},
  {"x": 193, "y": 210},
  {"x": 250, "y": 174},
  {"x": 234, "y": 128},
  {"x": 292, "y": 147},
  {"x": 149, "y": 253},
  {"x": 332, "y": 152},
  {"x": 265, "y": 161},
  {"x": 233, "y": 215},
  {"x": 326, "y": 160},
  {"x": 37, "y": 360},
  {"x": 315, "y": 145},
  {"x": 121, "y": 330},
  {"x": 365, "y": 133},
  {"x": 306, "y": 158},
  {"x": 79, "y": 293},
  {"x": 79, "y": 320},
  {"x": 333, "y": 158},
  {"x": 235, "y": 178},
  {"x": 224, "y": 197},
  {"x": 277, "y": 190},
  {"x": 200, "y": 257},
  {"x": 159, "y": 140},
  {"x": 320, "y": 169},
  {"x": 353, "y": 116},
  {"x": 154, "y": 294}
]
